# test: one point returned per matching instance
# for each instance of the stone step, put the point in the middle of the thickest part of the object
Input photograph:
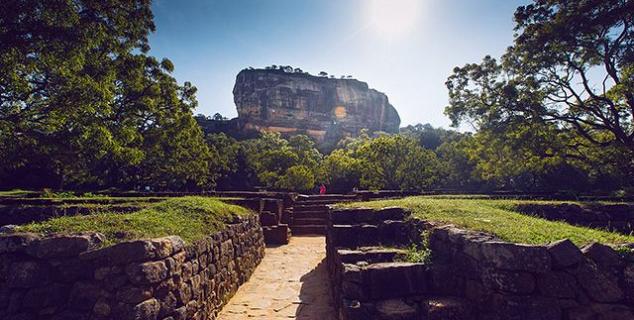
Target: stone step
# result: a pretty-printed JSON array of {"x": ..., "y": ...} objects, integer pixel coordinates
[
  {"x": 308, "y": 221},
  {"x": 310, "y": 229},
  {"x": 434, "y": 308},
  {"x": 327, "y": 197},
  {"x": 279, "y": 234},
  {"x": 370, "y": 254},
  {"x": 311, "y": 214},
  {"x": 448, "y": 308},
  {"x": 269, "y": 219},
  {"x": 310, "y": 207},
  {"x": 323, "y": 202}
]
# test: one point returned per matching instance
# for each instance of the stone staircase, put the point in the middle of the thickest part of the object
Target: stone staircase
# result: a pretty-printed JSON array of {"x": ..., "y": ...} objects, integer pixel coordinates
[
  {"x": 310, "y": 213},
  {"x": 371, "y": 277}
]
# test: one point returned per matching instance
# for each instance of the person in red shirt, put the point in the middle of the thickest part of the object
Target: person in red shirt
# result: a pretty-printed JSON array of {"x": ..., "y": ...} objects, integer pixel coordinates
[{"x": 322, "y": 189}]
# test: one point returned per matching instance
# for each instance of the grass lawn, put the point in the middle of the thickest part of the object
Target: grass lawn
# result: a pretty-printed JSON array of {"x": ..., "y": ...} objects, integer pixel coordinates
[
  {"x": 15, "y": 193},
  {"x": 499, "y": 218},
  {"x": 190, "y": 218}
]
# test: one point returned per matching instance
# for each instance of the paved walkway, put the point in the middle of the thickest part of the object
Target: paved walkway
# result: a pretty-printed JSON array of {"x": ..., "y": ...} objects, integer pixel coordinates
[{"x": 290, "y": 283}]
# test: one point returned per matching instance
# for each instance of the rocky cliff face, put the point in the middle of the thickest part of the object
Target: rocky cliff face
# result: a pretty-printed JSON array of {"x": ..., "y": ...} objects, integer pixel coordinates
[{"x": 276, "y": 101}]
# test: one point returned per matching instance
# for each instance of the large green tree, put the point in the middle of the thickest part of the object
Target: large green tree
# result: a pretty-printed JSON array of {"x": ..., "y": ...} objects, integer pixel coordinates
[
  {"x": 570, "y": 68},
  {"x": 82, "y": 104}
]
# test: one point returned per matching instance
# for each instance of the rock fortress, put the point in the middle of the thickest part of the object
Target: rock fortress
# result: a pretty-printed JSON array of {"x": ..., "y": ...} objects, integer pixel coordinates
[{"x": 326, "y": 109}]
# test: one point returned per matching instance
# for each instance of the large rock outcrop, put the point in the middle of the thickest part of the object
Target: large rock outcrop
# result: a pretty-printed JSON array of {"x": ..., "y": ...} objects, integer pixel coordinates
[{"x": 324, "y": 108}]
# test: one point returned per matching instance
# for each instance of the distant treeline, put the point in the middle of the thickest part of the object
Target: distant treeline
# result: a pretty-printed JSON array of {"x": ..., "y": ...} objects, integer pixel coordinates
[{"x": 419, "y": 158}]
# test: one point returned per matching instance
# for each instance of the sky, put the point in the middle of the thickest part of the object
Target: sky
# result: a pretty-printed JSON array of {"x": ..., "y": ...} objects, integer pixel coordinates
[{"x": 404, "y": 48}]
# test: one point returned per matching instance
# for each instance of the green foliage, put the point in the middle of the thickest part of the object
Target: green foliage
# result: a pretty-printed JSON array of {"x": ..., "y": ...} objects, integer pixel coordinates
[
  {"x": 564, "y": 88},
  {"x": 340, "y": 171},
  {"x": 395, "y": 162},
  {"x": 83, "y": 105},
  {"x": 270, "y": 161},
  {"x": 429, "y": 137},
  {"x": 297, "y": 178},
  {"x": 191, "y": 218},
  {"x": 498, "y": 217},
  {"x": 48, "y": 193},
  {"x": 416, "y": 254}
]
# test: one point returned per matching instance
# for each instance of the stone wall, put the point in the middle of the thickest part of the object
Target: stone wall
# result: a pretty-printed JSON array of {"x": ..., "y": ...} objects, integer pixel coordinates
[
  {"x": 615, "y": 217},
  {"x": 514, "y": 281},
  {"x": 273, "y": 217},
  {"x": 470, "y": 275},
  {"x": 65, "y": 277}
]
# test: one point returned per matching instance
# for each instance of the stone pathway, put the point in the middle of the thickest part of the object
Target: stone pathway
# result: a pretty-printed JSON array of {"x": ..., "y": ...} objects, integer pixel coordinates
[{"x": 291, "y": 282}]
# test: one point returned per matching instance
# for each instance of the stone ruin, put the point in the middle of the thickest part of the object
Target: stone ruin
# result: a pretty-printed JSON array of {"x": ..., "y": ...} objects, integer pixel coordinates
[
  {"x": 68, "y": 277},
  {"x": 471, "y": 275}
]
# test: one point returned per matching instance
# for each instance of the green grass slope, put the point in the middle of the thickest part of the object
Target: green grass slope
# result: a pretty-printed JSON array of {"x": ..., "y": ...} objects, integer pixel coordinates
[
  {"x": 499, "y": 218},
  {"x": 191, "y": 218}
]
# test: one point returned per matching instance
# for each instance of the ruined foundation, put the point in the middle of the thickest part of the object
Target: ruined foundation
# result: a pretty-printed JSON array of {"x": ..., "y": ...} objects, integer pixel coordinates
[
  {"x": 470, "y": 275},
  {"x": 65, "y": 277}
]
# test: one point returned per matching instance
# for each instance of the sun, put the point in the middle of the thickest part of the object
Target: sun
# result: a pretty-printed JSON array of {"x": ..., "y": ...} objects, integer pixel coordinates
[{"x": 393, "y": 18}]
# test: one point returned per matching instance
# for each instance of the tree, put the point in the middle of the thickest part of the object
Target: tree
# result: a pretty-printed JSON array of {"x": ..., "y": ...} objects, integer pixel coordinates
[
  {"x": 395, "y": 162},
  {"x": 218, "y": 117},
  {"x": 340, "y": 171},
  {"x": 226, "y": 152},
  {"x": 323, "y": 73},
  {"x": 429, "y": 137},
  {"x": 306, "y": 152},
  {"x": 571, "y": 64},
  {"x": 297, "y": 178},
  {"x": 270, "y": 157},
  {"x": 83, "y": 105}
]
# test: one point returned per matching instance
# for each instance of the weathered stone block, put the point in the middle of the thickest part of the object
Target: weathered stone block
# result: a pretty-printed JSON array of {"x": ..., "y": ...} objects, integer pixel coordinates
[
  {"x": 64, "y": 245},
  {"x": 368, "y": 235},
  {"x": 476, "y": 292},
  {"x": 343, "y": 236},
  {"x": 102, "y": 309},
  {"x": 509, "y": 281},
  {"x": 525, "y": 307},
  {"x": 27, "y": 274},
  {"x": 147, "y": 273},
  {"x": 518, "y": 257},
  {"x": 557, "y": 284},
  {"x": 394, "y": 233},
  {"x": 147, "y": 310},
  {"x": 125, "y": 252},
  {"x": 84, "y": 295},
  {"x": 392, "y": 213},
  {"x": 16, "y": 241},
  {"x": 602, "y": 255},
  {"x": 564, "y": 253},
  {"x": 397, "y": 279},
  {"x": 279, "y": 234},
  {"x": 597, "y": 284},
  {"x": 448, "y": 309},
  {"x": 134, "y": 295},
  {"x": 166, "y": 246},
  {"x": 42, "y": 297},
  {"x": 396, "y": 309}
]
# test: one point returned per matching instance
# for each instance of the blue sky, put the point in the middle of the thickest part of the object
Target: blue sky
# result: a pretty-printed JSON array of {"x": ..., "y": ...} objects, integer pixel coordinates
[{"x": 405, "y": 48}]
